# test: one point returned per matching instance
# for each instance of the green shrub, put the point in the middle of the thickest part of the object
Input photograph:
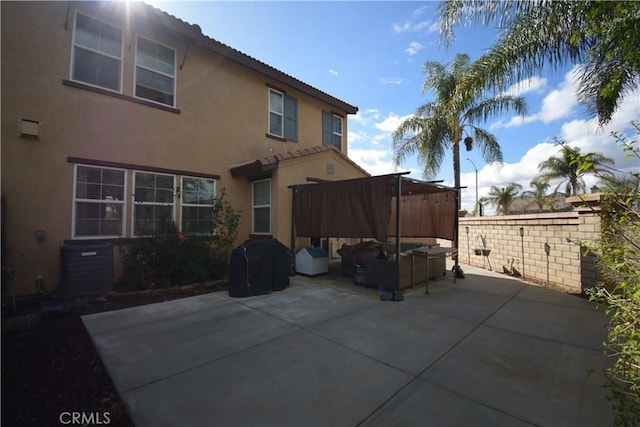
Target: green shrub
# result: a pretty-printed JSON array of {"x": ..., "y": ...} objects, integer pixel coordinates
[
  {"x": 619, "y": 263},
  {"x": 165, "y": 257},
  {"x": 226, "y": 220}
]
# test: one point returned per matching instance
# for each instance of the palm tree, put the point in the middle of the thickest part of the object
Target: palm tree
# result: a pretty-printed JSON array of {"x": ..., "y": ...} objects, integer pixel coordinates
[
  {"x": 503, "y": 197},
  {"x": 566, "y": 167},
  {"x": 442, "y": 124},
  {"x": 602, "y": 36},
  {"x": 538, "y": 195}
]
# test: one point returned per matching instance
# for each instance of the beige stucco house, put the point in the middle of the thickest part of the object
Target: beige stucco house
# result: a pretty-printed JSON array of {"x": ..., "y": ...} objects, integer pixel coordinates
[{"x": 116, "y": 113}]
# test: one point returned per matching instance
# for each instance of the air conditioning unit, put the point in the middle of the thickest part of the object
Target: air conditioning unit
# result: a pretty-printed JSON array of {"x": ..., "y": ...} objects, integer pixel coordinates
[{"x": 86, "y": 269}]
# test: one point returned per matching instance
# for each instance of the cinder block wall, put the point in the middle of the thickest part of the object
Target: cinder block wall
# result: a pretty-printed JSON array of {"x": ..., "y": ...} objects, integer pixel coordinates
[{"x": 549, "y": 252}]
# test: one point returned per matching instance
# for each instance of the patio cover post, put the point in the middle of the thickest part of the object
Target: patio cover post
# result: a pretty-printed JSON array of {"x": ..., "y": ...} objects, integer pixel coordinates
[
  {"x": 396, "y": 291},
  {"x": 395, "y": 294},
  {"x": 294, "y": 191},
  {"x": 457, "y": 271}
]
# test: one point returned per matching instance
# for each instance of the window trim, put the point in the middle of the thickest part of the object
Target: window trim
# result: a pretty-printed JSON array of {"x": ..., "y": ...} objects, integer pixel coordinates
[
  {"x": 107, "y": 92},
  {"x": 183, "y": 204},
  {"x": 75, "y": 200},
  {"x": 134, "y": 202},
  {"x": 73, "y": 50},
  {"x": 174, "y": 77},
  {"x": 275, "y": 112},
  {"x": 333, "y": 117},
  {"x": 254, "y": 206}
]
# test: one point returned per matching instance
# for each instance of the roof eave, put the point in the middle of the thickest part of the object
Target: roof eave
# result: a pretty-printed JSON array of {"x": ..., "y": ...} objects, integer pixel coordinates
[{"x": 194, "y": 34}]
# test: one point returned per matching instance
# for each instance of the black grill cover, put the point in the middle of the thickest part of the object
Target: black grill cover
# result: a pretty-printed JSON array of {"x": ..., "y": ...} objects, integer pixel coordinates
[{"x": 259, "y": 266}]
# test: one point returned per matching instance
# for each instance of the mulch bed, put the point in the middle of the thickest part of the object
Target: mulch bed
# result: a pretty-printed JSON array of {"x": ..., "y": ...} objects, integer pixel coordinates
[{"x": 54, "y": 370}]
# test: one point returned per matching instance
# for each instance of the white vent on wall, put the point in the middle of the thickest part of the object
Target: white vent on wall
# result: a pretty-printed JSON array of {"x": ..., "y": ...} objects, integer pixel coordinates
[{"x": 29, "y": 128}]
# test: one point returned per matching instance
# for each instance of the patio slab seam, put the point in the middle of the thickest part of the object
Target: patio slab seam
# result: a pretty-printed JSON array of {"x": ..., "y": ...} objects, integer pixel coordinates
[
  {"x": 275, "y": 316},
  {"x": 582, "y": 347},
  {"x": 208, "y": 362},
  {"x": 324, "y": 337},
  {"x": 590, "y": 308},
  {"x": 478, "y": 402},
  {"x": 437, "y": 359}
]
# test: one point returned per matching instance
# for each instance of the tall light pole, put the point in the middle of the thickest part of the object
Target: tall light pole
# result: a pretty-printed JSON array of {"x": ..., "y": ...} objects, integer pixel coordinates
[{"x": 476, "y": 207}]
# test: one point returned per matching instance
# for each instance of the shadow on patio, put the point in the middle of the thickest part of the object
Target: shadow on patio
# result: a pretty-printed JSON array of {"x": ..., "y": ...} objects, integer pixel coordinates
[{"x": 487, "y": 350}]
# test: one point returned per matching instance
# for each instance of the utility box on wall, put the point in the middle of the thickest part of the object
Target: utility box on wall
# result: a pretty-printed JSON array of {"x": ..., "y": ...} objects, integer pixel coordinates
[
  {"x": 86, "y": 269},
  {"x": 312, "y": 261}
]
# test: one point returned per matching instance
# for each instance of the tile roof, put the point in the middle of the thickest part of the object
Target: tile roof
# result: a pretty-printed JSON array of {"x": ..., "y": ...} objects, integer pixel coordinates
[
  {"x": 266, "y": 164},
  {"x": 194, "y": 32}
]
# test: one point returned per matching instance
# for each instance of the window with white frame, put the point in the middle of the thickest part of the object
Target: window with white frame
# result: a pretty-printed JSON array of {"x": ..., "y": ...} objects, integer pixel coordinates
[
  {"x": 155, "y": 72},
  {"x": 283, "y": 115},
  {"x": 153, "y": 201},
  {"x": 336, "y": 128},
  {"x": 276, "y": 113},
  {"x": 331, "y": 129},
  {"x": 97, "y": 53},
  {"x": 262, "y": 207},
  {"x": 198, "y": 197},
  {"x": 98, "y": 202}
]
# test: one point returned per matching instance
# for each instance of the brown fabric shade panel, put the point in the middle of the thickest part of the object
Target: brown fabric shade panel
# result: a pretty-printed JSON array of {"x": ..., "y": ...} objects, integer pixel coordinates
[
  {"x": 366, "y": 208},
  {"x": 351, "y": 208},
  {"x": 425, "y": 215}
]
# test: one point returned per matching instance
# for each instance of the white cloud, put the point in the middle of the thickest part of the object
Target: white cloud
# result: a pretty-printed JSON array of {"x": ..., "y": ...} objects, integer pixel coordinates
[
  {"x": 584, "y": 134},
  {"x": 333, "y": 72},
  {"x": 375, "y": 161},
  {"x": 391, "y": 122},
  {"x": 366, "y": 116},
  {"x": 558, "y": 104},
  {"x": 414, "y": 48},
  {"x": 535, "y": 84},
  {"x": 393, "y": 81},
  {"x": 434, "y": 28},
  {"x": 590, "y": 137},
  {"x": 355, "y": 137},
  {"x": 514, "y": 122},
  {"x": 415, "y": 23}
]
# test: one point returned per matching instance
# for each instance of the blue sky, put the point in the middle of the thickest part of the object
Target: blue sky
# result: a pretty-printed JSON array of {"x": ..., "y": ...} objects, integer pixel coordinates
[{"x": 370, "y": 54}]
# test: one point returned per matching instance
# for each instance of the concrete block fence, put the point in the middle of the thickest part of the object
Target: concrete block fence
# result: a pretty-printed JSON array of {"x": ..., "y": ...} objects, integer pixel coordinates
[{"x": 542, "y": 248}]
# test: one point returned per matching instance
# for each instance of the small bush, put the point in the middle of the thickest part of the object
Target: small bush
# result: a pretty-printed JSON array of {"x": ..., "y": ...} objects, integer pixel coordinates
[
  {"x": 165, "y": 257},
  {"x": 619, "y": 264}
]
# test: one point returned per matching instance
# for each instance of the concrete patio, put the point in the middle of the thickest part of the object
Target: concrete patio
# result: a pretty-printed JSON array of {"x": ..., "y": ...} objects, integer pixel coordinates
[{"x": 488, "y": 350}]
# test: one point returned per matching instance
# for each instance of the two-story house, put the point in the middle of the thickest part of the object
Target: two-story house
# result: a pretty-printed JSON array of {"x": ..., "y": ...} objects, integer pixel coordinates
[{"x": 116, "y": 114}]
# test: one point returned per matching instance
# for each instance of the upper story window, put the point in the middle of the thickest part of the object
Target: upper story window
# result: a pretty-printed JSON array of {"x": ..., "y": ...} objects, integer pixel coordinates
[
  {"x": 332, "y": 130},
  {"x": 97, "y": 53},
  {"x": 198, "y": 198},
  {"x": 283, "y": 115},
  {"x": 98, "y": 208},
  {"x": 155, "y": 72}
]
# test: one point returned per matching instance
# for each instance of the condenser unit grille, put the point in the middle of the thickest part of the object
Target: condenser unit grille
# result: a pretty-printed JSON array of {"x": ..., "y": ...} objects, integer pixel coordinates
[{"x": 86, "y": 269}]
